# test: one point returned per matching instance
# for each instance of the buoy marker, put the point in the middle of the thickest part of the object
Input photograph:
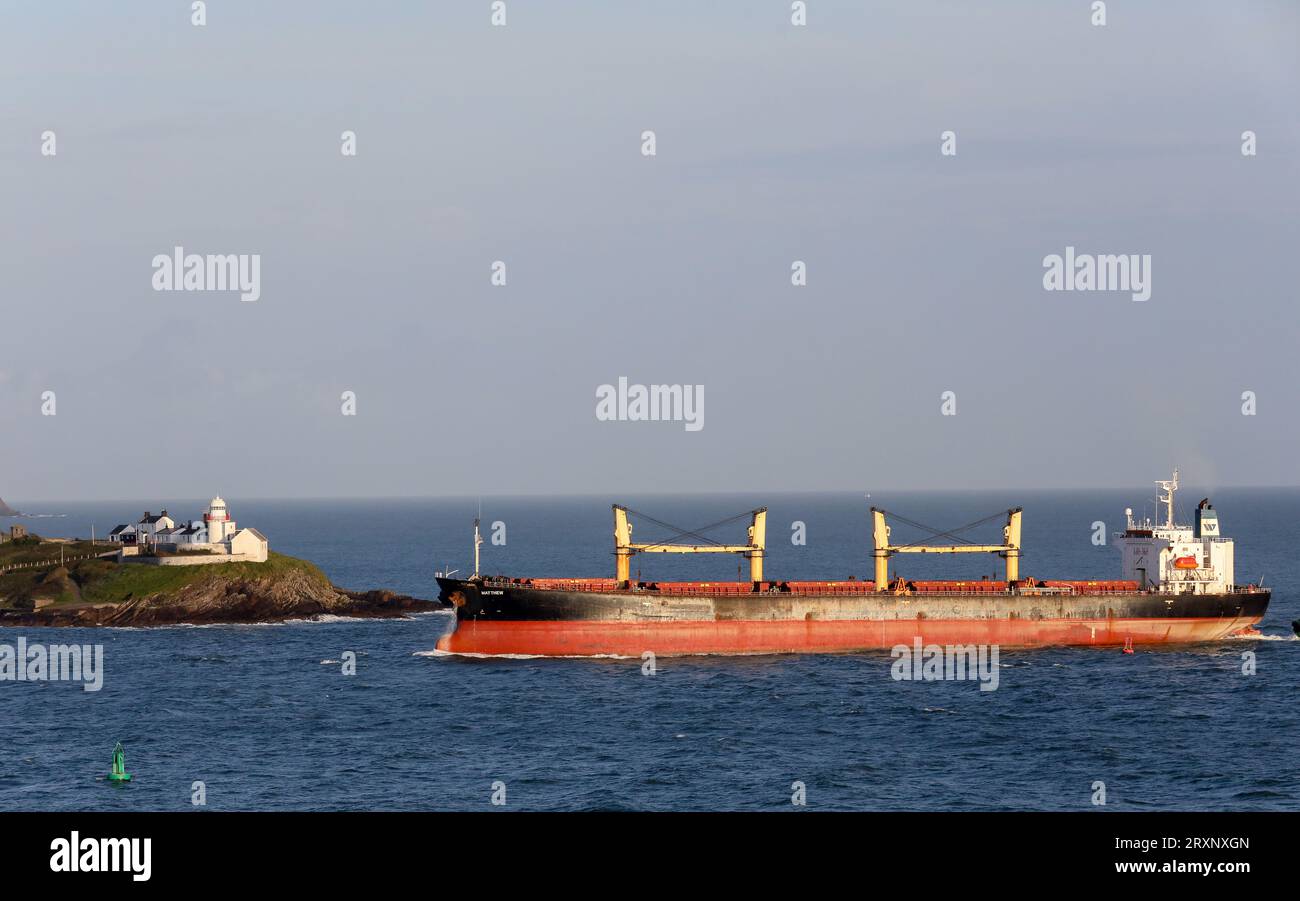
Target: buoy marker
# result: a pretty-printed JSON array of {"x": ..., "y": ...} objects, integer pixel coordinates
[{"x": 119, "y": 773}]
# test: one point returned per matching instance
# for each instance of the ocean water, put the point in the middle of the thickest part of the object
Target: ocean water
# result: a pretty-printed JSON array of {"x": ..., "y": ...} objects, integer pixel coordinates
[{"x": 263, "y": 716}]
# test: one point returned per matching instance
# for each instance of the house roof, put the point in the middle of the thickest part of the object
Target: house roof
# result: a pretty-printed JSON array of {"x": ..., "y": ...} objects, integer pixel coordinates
[
  {"x": 192, "y": 530},
  {"x": 254, "y": 531},
  {"x": 150, "y": 520},
  {"x": 122, "y": 528}
]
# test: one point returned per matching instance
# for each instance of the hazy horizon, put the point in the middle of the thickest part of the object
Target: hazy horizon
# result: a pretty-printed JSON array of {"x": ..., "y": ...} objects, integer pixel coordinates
[
  {"x": 1140, "y": 494},
  {"x": 524, "y": 144}
]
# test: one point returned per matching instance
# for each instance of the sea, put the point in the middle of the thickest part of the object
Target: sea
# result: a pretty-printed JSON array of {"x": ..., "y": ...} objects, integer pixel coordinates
[{"x": 264, "y": 717}]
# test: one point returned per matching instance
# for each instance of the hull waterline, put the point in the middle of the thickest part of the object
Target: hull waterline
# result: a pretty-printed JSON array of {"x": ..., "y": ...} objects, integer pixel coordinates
[{"x": 517, "y": 621}]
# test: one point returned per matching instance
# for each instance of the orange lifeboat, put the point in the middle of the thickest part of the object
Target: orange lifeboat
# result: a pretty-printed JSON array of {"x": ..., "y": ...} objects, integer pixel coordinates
[{"x": 1184, "y": 563}]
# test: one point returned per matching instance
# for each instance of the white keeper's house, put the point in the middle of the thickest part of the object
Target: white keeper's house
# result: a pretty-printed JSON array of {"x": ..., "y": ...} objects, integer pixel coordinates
[{"x": 216, "y": 533}]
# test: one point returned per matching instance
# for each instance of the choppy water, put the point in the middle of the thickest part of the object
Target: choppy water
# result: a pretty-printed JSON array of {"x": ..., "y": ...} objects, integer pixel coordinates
[{"x": 263, "y": 716}]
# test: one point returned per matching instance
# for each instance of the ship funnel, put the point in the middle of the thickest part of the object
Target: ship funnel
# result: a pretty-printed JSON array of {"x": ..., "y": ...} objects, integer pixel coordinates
[{"x": 1207, "y": 520}]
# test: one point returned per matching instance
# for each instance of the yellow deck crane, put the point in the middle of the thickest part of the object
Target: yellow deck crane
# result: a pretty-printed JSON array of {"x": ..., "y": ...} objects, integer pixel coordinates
[
  {"x": 624, "y": 549},
  {"x": 1010, "y": 547}
]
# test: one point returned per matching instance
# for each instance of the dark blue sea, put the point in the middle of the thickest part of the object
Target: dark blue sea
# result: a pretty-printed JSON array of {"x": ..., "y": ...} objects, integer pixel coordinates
[{"x": 264, "y": 717}]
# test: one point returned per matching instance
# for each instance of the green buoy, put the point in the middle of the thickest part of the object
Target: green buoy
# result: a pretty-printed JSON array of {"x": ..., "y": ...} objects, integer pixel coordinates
[{"x": 119, "y": 773}]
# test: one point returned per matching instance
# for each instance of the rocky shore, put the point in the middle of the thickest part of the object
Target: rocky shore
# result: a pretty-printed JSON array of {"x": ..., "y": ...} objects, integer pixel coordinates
[{"x": 103, "y": 593}]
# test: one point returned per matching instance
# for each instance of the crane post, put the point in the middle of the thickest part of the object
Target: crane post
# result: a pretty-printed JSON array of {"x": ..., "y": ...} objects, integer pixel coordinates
[
  {"x": 880, "y": 533},
  {"x": 1011, "y": 537},
  {"x": 758, "y": 544},
  {"x": 622, "y": 545}
]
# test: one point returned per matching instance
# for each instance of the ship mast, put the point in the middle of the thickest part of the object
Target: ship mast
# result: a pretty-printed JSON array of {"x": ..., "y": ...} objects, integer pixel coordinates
[
  {"x": 1169, "y": 486},
  {"x": 478, "y": 541}
]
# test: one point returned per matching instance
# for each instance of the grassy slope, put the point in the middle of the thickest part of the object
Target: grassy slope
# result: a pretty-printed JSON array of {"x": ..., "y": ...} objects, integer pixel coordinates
[
  {"x": 19, "y": 552},
  {"x": 24, "y": 583},
  {"x": 129, "y": 580},
  {"x": 105, "y": 581}
]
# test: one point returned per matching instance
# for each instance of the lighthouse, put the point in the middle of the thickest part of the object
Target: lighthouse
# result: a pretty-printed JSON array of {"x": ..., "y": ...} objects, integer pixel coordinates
[{"x": 218, "y": 522}]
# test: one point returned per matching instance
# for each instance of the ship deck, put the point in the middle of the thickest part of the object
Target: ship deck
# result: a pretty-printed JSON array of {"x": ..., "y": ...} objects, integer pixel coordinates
[{"x": 848, "y": 587}]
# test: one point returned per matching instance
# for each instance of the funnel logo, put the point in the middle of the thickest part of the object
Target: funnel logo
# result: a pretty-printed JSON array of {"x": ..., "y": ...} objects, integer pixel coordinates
[{"x": 103, "y": 855}]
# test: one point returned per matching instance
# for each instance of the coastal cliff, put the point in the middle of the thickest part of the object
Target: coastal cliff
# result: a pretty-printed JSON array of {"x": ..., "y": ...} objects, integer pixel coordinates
[{"x": 102, "y": 592}]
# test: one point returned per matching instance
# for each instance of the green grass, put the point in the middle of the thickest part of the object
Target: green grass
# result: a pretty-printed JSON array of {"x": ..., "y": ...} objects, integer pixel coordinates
[
  {"x": 108, "y": 582},
  {"x": 64, "y": 599},
  {"x": 137, "y": 580},
  {"x": 11, "y": 552},
  {"x": 17, "y": 587}
]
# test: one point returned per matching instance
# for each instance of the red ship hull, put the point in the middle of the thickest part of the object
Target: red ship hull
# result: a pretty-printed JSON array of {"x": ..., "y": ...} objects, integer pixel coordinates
[
  {"x": 588, "y": 639},
  {"x": 512, "y": 620}
]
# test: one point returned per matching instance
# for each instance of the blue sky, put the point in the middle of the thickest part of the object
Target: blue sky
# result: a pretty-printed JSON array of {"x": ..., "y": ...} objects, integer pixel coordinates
[{"x": 522, "y": 144}]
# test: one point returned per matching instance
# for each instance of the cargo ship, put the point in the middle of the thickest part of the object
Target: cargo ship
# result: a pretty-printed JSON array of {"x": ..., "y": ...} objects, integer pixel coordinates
[{"x": 1176, "y": 586}]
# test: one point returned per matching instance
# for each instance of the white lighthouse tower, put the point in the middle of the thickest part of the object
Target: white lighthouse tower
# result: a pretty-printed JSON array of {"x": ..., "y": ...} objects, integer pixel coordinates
[{"x": 218, "y": 522}]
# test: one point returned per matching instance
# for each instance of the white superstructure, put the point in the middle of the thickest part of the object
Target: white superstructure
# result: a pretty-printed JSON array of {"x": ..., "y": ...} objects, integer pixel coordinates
[
  {"x": 1177, "y": 558},
  {"x": 216, "y": 534}
]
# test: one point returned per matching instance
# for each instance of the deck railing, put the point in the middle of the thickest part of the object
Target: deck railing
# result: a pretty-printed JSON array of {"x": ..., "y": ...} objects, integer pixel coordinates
[{"x": 824, "y": 589}]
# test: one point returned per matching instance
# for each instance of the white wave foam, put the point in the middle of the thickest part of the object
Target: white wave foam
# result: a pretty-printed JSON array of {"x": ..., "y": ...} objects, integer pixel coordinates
[
  {"x": 438, "y": 652},
  {"x": 320, "y": 618},
  {"x": 161, "y": 626}
]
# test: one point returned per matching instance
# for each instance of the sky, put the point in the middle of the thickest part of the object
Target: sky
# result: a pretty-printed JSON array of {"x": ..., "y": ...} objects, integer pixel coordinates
[{"x": 523, "y": 143}]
